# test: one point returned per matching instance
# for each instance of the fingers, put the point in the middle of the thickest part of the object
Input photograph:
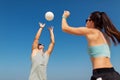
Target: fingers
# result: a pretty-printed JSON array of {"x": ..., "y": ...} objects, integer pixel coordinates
[
  {"x": 44, "y": 24},
  {"x": 51, "y": 28},
  {"x": 66, "y": 13},
  {"x": 41, "y": 24}
]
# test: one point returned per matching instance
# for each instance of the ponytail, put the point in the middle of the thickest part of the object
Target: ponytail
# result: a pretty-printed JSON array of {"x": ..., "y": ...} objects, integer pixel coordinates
[{"x": 110, "y": 29}]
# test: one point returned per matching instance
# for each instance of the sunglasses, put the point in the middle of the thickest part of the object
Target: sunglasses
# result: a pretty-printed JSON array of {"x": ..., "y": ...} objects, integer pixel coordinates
[
  {"x": 88, "y": 20},
  {"x": 41, "y": 44}
]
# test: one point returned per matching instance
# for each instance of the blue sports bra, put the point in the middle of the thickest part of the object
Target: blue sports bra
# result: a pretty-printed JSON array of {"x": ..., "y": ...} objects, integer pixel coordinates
[{"x": 99, "y": 51}]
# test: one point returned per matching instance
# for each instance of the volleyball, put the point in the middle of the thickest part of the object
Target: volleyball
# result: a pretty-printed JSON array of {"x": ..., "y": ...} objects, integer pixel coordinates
[{"x": 49, "y": 16}]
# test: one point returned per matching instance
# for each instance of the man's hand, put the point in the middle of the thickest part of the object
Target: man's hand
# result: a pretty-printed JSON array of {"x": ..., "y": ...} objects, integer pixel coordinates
[
  {"x": 50, "y": 28},
  {"x": 41, "y": 25}
]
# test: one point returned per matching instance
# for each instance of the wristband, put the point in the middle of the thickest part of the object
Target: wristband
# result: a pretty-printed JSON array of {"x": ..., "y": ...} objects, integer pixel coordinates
[
  {"x": 41, "y": 27},
  {"x": 64, "y": 17}
]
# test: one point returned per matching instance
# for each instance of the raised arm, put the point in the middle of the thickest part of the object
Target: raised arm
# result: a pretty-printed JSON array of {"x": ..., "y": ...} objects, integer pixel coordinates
[
  {"x": 52, "y": 43},
  {"x": 36, "y": 40},
  {"x": 72, "y": 30}
]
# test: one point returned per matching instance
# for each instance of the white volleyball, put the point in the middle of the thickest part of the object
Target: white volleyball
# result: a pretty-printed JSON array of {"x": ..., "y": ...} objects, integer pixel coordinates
[{"x": 49, "y": 16}]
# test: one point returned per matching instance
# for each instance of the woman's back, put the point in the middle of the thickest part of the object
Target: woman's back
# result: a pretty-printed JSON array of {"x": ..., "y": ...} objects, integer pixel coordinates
[
  {"x": 98, "y": 49},
  {"x": 96, "y": 38}
]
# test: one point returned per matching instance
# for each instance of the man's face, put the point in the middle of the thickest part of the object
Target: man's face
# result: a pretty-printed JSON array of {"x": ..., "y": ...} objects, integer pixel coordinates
[{"x": 41, "y": 47}]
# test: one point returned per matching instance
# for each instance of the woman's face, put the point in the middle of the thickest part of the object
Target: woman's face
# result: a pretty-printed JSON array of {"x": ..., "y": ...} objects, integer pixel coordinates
[{"x": 89, "y": 23}]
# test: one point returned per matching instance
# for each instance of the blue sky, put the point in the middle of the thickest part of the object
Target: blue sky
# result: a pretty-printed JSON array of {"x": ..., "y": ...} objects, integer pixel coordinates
[{"x": 69, "y": 60}]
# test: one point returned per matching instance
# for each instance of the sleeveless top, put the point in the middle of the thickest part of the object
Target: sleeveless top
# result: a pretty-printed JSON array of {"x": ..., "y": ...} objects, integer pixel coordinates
[
  {"x": 39, "y": 65},
  {"x": 99, "y": 51}
]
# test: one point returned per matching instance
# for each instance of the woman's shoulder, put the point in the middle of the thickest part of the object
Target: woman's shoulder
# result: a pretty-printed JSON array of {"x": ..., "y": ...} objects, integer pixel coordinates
[{"x": 94, "y": 33}]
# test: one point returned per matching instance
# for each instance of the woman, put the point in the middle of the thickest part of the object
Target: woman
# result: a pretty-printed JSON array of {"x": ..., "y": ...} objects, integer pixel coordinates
[
  {"x": 40, "y": 57},
  {"x": 99, "y": 31}
]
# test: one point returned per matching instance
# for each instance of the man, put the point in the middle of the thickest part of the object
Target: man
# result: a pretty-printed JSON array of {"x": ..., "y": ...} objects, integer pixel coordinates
[{"x": 39, "y": 57}]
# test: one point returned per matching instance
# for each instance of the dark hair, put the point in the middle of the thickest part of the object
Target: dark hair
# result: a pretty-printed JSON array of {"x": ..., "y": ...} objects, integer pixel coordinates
[
  {"x": 40, "y": 44},
  {"x": 104, "y": 24}
]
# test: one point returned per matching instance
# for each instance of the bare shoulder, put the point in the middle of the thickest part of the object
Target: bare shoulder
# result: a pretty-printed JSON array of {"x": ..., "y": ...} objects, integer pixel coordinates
[
  {"x": 94, "y": 34},
  {"x": 34, "y": 51},
  {"x": 90, "y": 31}
]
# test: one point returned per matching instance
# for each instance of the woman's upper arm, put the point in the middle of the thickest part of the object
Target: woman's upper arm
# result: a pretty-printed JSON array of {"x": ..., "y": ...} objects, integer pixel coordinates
[{"x": 78, "y": 31}]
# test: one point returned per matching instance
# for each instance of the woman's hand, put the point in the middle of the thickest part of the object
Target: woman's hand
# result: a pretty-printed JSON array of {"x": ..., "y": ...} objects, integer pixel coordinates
[
  {"x": 41, "y": 25},
  {"x": 66, "y": 14}
]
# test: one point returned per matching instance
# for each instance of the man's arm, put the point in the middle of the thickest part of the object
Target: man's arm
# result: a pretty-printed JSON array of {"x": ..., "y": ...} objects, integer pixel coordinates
[
  {"x": 52, "y": 43},
  {"x": 36, "y": 40}
]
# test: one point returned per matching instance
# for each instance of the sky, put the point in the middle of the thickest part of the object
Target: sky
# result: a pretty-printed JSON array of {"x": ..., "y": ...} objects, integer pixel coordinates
[{"x": 69, "y": 60}]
